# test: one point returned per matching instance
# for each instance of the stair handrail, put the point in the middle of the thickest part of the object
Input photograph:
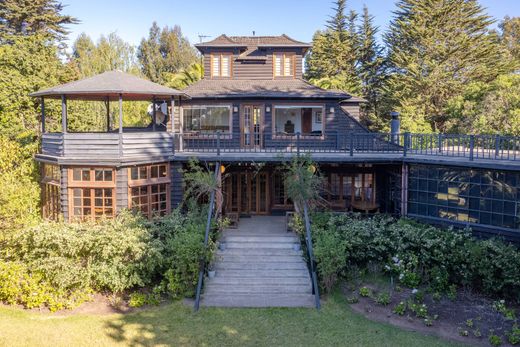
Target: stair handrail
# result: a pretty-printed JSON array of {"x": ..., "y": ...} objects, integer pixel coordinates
[
  {"x": 310, "y": 254},
  {"x": 202, "y": 265}
]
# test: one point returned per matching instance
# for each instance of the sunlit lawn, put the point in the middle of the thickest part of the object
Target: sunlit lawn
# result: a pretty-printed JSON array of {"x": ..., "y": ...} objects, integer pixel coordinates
[{"x": 178, "y": 325}]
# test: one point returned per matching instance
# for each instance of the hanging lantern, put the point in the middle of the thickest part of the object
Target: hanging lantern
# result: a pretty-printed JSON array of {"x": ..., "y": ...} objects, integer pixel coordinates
[
  {"x": 312, "y": 169},
  {"x": 222, "y": 169}
]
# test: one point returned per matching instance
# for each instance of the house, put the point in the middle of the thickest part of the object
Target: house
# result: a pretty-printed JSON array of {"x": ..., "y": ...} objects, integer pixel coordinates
[{"x": 250, "y": 112}]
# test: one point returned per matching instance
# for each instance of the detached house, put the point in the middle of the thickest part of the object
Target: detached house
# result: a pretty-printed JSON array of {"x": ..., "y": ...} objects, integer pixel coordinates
[{"x": 251, "y": 111}]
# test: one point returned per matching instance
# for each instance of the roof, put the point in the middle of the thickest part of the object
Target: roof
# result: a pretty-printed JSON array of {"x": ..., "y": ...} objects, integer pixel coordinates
[
  {"x": 253, "y": 41},
  {"x": 282, "y": 88},
  {"x": 110, "y": 84}
]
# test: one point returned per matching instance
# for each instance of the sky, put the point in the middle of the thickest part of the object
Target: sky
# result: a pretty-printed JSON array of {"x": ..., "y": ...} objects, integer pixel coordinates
[{"x": 131, "y": 19}]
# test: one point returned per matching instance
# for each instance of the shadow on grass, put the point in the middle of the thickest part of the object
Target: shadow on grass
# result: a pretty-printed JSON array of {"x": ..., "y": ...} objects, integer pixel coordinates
[{"x": 335, "y": 325}]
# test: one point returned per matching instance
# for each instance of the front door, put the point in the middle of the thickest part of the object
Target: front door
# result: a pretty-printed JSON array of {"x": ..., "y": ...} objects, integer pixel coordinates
[
  {"x": 247, "y": 193},
  {"x": 251, "y": 127}
]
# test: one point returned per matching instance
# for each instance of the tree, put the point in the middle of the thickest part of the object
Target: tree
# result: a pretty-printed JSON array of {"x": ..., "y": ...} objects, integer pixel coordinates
[
  {"x": 332, "y": 59},
  {"x": 436, "y": 47},
  {"x": 510, "y": 37},
  {"x": 21, "y": 17},
  {"x": 371, "y": 68},
  {"x": 165, "y": 52},
  {"x": 492, "y": 108},
  {"x": 186, "y": 77}
]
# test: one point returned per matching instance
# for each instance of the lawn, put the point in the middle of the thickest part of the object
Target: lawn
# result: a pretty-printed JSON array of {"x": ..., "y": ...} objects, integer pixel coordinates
[{"x": 177, "y": 325}]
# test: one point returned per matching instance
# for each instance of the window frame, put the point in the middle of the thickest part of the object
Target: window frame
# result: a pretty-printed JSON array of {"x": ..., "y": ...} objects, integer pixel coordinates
[
  {"x": 148, "y": 183},
  {"x": 230, "y": 56},
  {"x": 197, "y": 134},
  {"x": 292, "y": 60},
  {"x": 275, "y": 135},
  {"x": 50, "y": 188}
]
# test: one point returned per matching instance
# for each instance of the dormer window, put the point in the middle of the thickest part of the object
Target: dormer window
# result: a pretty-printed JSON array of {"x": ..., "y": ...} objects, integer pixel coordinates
[
  {"x": 283, "y": 64},
  {"x": 221, "y": 65}
]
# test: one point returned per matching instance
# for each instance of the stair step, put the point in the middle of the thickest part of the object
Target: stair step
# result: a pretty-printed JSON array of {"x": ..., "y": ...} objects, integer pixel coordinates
[
  {"x": 222, "y": 278},
  {"x": 258, "y": 252},
  {"x": 262, "y": 273},
  {"x": 265, "y": 238},
  {"x": 258, "y": 300},
  {"x": 257, "y": 289},
  {"x": 251, "y": 245},
  {"x": 254, "y": 266},
  {"x": 228, "y": 258}
]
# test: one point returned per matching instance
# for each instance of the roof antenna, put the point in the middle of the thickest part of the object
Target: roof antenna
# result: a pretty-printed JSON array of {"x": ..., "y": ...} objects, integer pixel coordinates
[
  {"x": 202, "y": 36},
  {"x": 253, "y": 33}
]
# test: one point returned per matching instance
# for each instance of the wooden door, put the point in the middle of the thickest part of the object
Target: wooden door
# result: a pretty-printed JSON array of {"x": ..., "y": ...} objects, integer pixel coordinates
[
  {"x": 247, "y": 193},
  {"x": 306, "y": 120},
  {"x": 251, "y": 127}
]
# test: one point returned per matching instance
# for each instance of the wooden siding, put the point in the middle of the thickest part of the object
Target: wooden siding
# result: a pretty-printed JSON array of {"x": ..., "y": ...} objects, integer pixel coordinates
[
  {"x": 255, "y": 69},
  {"x": 147, "y": 144},
  {"x": 121, "y": 189},
  {"x": 177, "y": 191},
  {"x": 52, "y": 144}
]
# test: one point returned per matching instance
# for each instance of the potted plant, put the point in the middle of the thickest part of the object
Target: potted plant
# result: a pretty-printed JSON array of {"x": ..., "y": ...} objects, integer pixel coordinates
[{"x": 211, "y": 270}]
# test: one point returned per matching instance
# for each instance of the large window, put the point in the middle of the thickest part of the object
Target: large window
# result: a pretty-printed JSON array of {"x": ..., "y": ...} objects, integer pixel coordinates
[
  {"x": 465, "y": 195},
  {"x": 50, "y": 190},
  {"x": 91, "y": 193},
  {"x": 290, "y": 120},
  {"x": 149, "y": 189},
  {"x": 206, "y": 119},
  {"x": 283, "y": 64},
  {"x": 221, "y": 65},
  {"x": 350, "y": 191}
]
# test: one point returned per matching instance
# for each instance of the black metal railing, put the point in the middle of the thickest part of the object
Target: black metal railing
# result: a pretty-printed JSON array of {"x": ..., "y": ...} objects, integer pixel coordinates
[
  {"x": 310, "y": 255},
  {"x": 471, "y": 147},
  {"x": 202, "y": 265}
]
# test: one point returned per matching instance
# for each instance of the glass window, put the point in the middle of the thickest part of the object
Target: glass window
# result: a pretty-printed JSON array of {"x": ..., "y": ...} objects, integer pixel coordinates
[
  {"x": 150, "y": 189},
  {"x": 206, "y": 119},
  {"x": 221, "y": 65},
  {"x": 283, "y": 64}
]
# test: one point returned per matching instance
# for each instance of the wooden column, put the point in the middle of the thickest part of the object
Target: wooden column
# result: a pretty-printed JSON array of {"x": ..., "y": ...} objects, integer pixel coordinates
[
  {"x": 120, "y": 125},
  {"x": 172, "y": 103},
  {"x": 43, "y": 114},
  {"x": 404, "y": 190},
  {"x": 154, "y": 114},
  {"x": 63, "y": 114},
  {"x": 107, "y": 105}
]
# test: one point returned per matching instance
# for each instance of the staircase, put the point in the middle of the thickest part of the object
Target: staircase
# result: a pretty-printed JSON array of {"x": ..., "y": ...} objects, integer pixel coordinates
[{"x": 259, "y": 268}]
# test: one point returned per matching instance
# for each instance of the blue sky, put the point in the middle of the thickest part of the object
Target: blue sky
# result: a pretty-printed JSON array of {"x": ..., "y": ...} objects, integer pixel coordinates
[{"x": 298, "y": 19}]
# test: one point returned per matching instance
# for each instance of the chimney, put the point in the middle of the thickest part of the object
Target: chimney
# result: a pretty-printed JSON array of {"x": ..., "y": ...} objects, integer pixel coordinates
[
  {"x": 395, "y": 126},
  {"x": 253, "y": 33}
]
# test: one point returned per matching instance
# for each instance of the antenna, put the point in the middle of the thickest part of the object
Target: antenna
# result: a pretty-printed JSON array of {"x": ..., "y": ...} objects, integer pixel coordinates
[{"x": 202, "y": 37}]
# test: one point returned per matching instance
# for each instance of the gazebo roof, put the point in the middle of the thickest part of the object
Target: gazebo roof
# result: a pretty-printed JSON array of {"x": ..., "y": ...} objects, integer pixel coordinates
[{"x": 110, "y": 85}]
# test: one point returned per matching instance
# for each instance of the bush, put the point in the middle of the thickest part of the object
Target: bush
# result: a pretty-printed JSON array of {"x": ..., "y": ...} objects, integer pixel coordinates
[{"x": 415, "y": 254}]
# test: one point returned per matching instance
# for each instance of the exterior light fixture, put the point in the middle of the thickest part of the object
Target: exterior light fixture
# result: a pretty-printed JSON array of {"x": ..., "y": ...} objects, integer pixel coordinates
[
  {"x": 235, "y": 109},
  {"x": 222, "y": 169},
  {"x": 312, "y": 169},
  {"x": 331, "y": 110},
  {"x": 268, "y": 109}
]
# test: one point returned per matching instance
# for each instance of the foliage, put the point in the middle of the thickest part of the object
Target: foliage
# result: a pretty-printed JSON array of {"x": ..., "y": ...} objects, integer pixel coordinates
[
  {"x": 513, "y": 337},
  {"x": 365, "y": 292},
  {"x": 166, "y": 51},
  {"x": 200, "y": 182},
  {"x": 302, "y": 182},
  {"x": 510, "y": 37},
  {"x": 492, "y": 108},
  {"x": 435, "y": 49},
  {"x": 137, "y": 299},
  {"x": 415, "y": 253},
  {"x": 400, "y": 308},
  {"x": 186, "y": 77},
  {"x": 383, "y": 299},
  {"x": 494, "y": 340},
  {"x": 22, "y": 17}
]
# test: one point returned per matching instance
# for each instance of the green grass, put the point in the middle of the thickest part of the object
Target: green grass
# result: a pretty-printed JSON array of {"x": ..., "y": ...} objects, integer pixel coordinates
[{"x": 177, "y": 325}]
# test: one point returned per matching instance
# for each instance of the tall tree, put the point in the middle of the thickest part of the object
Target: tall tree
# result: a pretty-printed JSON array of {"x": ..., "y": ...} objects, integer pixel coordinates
[
  {"x": 371, "y": 69},
  {"x": 34, "y": 16},
  {"x": 331, "y": 63},
  {"x": 165, "y": 52},
  {"x": 510, "y": 37},
  {"x": 436, "y": 48}
]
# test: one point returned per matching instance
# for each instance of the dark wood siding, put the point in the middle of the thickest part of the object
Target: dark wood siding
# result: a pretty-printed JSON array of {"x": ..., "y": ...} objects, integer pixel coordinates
[
  {"x": 177, "y": 191},
  {"x": 121, "y": 189}
]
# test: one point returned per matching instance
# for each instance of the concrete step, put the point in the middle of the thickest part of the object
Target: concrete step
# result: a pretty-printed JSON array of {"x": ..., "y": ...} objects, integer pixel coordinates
[
  {"x": 227, "y": 258},
  {"x": 265, "y": 238},
  {"x": 258, "y": 252},
  {"x": 214, "y": 288},
  {"x": 236, "y": 232},
  {"x": 298, "y": 265},
  {"x": 251, "y": 245},
  {"x": 258, "y": 300},
  {"x": 262, "y": 273},
  {"x": 221, "y": 278}
]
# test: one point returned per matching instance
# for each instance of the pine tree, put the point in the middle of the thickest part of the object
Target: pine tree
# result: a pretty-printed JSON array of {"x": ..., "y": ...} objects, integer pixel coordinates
[
  {"x": 34, "y": 16},
  {"x": 436, "y": 47},
  {"x": 510, "y": 37},
  {"x": 371, "y": 69},
  {"x": 332, "y": 60}
]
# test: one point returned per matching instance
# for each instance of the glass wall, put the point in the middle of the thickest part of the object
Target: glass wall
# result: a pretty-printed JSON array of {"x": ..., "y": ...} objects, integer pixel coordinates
[
  {"x": 465, "y": 195},
  {"x": 206, "y": 119}
]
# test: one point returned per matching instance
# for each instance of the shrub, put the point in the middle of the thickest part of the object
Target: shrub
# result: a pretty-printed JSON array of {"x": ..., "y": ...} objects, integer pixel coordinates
[
  {"x": 330, "y": 253},
  {"x": 514, "y": 336},
  {"x": 137, "y": 299},
  {"x": 383, "y": 299},
  {"x": 494, "y": 340}
]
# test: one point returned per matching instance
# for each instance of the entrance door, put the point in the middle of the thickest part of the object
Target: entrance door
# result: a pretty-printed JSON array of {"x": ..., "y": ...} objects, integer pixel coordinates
[
  {"x": 306, "y": 120},
  {"x": 251, "y": 126},
  {"x": 247, "y": 193}
]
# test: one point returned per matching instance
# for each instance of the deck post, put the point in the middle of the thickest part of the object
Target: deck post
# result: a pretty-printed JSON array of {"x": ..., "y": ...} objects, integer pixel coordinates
[
  {"x": 43, "y": 114},
  {"x": 218, "y": 142},
  {"x": 120, "y": 125},
  {"x": 154, "y": 113},
  {"x": 63, "y": 114},
  {"x": 298, "y": 144},
  {"x": 404, "y": 190},
  {"x": 439, "y": 142},
  {"x": 497, "y": 145},
  {"x": 172, "y": 102},
  {"x": 471, "y": 146},
  {"x": 406, "y": 143},
  {"x": 107, "y": 105}
]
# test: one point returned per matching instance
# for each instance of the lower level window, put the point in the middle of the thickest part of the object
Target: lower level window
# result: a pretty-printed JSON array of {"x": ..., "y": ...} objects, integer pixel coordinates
[
  {"x": 150, "y": 200},
  {"x": 51, "y": 204},
  {"x": 92, "y": 203}
]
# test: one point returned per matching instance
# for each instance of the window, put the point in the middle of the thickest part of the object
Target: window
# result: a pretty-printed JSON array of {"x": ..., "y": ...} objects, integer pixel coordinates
[
  {"x": 317, "y": 117},
  {"x": 221, "y": 65},
  {"x": 283, "y": 64},
  {"x": 290, "y": 120},
  {"x": 50, "y": 190},
  {"x": 149, "y": 189},
  {"x": 280, "y": 192},
  {"x": 91, "y": 193},
  {"x": 206, "y": 119},
  {"x": 349, "y": 190}
]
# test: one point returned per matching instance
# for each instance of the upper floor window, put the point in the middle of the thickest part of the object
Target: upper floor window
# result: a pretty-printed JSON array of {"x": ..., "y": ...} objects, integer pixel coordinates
[
  {"x": 283, "y": 64},
  {"x": 221, "y": 65},
  {"x": 206, "y": 119}
]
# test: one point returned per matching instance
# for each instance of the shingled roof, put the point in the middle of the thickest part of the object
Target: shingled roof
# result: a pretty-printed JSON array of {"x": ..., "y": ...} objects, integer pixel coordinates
[
  {"x": 253, "y": 41},
  {"x": 293, "y": 88},
  {"x": 110, "y": 84}
]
